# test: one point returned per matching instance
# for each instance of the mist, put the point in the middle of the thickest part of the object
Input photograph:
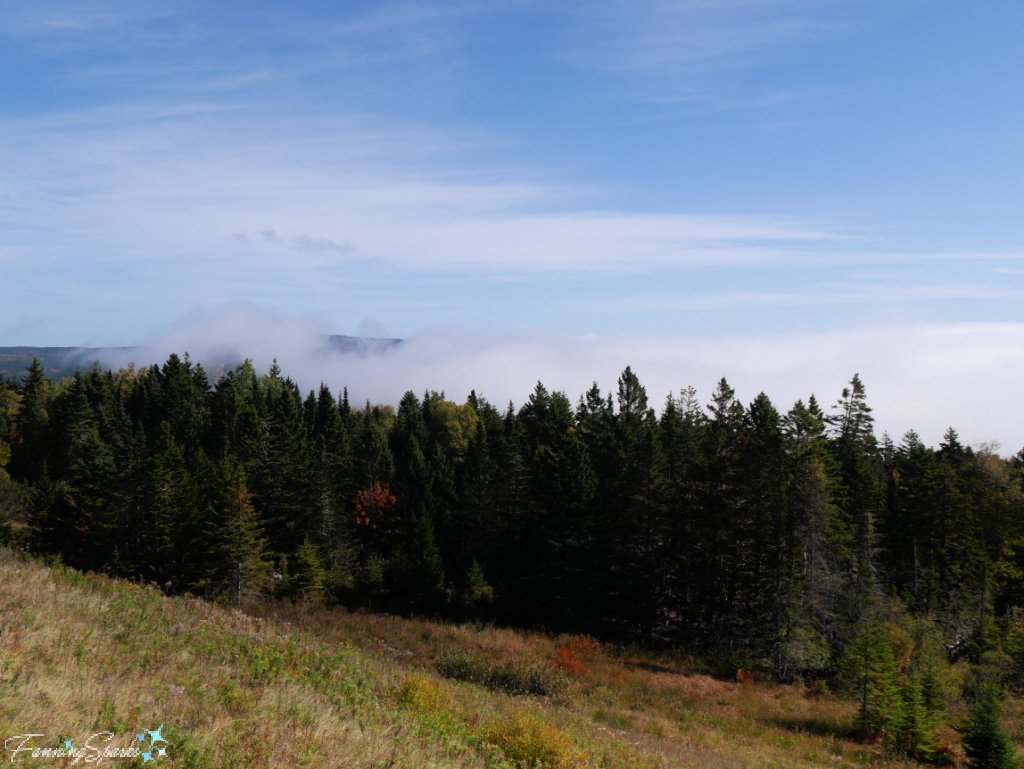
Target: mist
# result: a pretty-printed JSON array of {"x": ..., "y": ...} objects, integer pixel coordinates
[{"x": 925, "y": 377}]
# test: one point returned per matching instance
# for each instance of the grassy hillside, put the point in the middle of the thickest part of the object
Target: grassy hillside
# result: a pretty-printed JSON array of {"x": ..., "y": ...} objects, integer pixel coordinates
[{"x": 303, "y": 686}]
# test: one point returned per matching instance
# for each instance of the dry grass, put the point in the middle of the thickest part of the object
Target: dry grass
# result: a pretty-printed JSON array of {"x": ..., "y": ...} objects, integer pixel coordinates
[
  {"x": 81, "y": 655},
  {"x": 292, "y": 686}
]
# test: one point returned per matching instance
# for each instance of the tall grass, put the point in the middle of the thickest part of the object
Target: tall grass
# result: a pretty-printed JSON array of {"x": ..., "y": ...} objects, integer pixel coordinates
[{"x": 280, "y": 685}]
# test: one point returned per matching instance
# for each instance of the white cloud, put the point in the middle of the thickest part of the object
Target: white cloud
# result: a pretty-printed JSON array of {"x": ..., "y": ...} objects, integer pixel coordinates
[{"x": 922, "y": 376}]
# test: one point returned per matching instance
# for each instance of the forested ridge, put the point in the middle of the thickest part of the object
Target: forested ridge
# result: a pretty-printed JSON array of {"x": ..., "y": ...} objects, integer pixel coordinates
[{"x": 734, "y": 528}]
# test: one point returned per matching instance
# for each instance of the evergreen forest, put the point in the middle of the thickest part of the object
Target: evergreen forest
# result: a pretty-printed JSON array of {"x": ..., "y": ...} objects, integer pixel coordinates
[{"x": 779, "y": 538}]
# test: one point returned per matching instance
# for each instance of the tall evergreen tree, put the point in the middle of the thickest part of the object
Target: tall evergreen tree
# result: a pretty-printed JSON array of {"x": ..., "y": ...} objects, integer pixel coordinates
[
  {"x": 986, "y": 742},
  {"x": 237, "y": 547}
]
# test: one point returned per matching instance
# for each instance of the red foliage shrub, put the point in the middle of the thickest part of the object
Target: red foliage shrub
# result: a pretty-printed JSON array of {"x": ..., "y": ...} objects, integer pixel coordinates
[
  {"x": 567, "y": 661},
  {"x": 582, "y": 646}
]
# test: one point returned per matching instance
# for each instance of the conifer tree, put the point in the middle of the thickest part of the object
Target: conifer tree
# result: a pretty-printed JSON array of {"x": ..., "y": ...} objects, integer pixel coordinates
[
  {"x": 854, "y": 446},
  {"x": 308, "y": 575},
  {"x": 870, "y": 663},
  {"x": 426, "y": 572},
  {"x": 239, "y": 547},
  {"x": 718, "y": 533},
  {"x": 913, "y": 729},
  {"x": 31, "y": 439},
  {"x": 479, "y": 594},
  {"x": 986, "y": 742},
  {"x": 766, "y": 532},
  {"x": 725, "y": 527},
  {"x": 813, "y": 623}
]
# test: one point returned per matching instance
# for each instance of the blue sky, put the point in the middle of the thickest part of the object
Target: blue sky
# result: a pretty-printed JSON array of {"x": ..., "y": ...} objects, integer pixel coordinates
[{"x": 647, "y": 169}]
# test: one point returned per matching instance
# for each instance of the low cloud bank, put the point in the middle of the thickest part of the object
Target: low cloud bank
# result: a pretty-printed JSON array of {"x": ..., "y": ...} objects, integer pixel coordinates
[{"x": 924, "y": 376}]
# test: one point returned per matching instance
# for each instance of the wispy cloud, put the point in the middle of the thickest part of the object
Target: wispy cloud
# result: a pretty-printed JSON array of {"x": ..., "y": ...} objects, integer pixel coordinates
[
  {"x": 658, "y": 34},
  {"x": 876, "y": 294},
  {"x": 385, "y": 147},
  {"x": 193, "y": 179},
  {"x": 299, "y": 243},
  {"x": 143, "y": 206},
  {"x": 72, "y": 19}
]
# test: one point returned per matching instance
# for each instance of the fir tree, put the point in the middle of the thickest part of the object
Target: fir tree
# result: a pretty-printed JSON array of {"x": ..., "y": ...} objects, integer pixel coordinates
[
  {"x": 239, "y": 546},
  {"x": 426, "y": 570},
  {"x": 913, "y": 728},
  {"x": 308, "y": 577},
  {"x": 479, "y": 594},
  {"x": 986, "y": 742}
]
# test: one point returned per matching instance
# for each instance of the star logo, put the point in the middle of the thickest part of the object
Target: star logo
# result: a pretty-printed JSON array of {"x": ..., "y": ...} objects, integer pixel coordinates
[
  {"x": 155, "y": 737},
  {"x": 141, "y": 737},
  {"x": 147, "y": 757},
  {"x": 68, "y": 745},
  {"x": 160, "y": 752}
]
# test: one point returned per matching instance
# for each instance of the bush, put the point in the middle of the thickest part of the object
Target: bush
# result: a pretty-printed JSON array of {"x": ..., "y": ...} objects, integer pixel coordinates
[
  {"x": 513, "y": 677},
  {"x": 568, "y": 657},
  {"x": 425, "y": 695},
  {"x": 462, "y": 665},
  {"x": 567, "y": 661},
  {"x": 531, "y": 741}
]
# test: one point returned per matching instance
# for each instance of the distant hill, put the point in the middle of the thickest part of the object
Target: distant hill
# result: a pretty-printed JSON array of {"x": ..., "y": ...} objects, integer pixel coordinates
[
  {"x": 58, "y": 361},
  {"x": 63, "y": 361},
  {"x": 339, "y": 343}
]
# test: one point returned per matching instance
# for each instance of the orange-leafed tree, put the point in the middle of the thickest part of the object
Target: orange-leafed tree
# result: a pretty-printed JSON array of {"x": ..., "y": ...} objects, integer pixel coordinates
[{"x": 376, "y": 510}]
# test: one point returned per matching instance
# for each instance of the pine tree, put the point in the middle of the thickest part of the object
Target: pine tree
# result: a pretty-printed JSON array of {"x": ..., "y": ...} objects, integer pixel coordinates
[
  {"x": 426, "y": 570},
  {"x": 239, "y": 548},
  {"x": 767, "y": 536},
  {"x": 855, "y": 447},
  {"x": 308, "y": 577},
  {"x": 884, "y": 699},
  {"x": 986, "y": 743},
  {"x": 11, "y": 496},
  {"x": 869, "y": 662},
  {"x": 479, "y": 594},
  {"x": 814, "y": 623},
  {"x": 718, "y": 534},
  {"x": 31, "y": 437},
  {"x": 913, "y": 729}
]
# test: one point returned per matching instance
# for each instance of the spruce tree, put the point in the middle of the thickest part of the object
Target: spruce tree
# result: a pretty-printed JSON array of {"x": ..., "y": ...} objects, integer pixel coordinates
[
  {"x": 986, "y": 743},
  {"x": 238, "y": 547},
  {"x": 426, "y": 570},
  {"x": 31, "y": 425},
  {"x": 9, "y": 496},
  {"x": 913, "y": 729},
  {"x": 308, "y": 577}
]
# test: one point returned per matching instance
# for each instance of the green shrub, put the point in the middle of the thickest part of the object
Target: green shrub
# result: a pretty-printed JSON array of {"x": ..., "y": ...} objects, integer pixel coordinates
[
  {"x": 529, "y": 740},
  {"x": 462, "y": 665},
  {"x": 516, "y": 678}
]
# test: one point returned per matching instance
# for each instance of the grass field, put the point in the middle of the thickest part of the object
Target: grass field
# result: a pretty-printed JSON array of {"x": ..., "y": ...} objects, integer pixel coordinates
[{"x": 287, "y": 686}]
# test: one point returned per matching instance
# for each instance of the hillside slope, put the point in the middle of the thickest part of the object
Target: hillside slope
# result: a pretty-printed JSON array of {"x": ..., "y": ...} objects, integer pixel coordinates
[{"x": 321, "y": 688}]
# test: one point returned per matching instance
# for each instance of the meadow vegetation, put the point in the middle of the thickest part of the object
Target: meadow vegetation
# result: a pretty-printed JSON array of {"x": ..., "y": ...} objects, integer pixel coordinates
[{"x": 295, "y": 684}]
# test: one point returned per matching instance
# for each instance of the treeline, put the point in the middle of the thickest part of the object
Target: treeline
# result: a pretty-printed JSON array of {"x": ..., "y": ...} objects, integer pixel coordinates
[{"x": 732, "y": 527}]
